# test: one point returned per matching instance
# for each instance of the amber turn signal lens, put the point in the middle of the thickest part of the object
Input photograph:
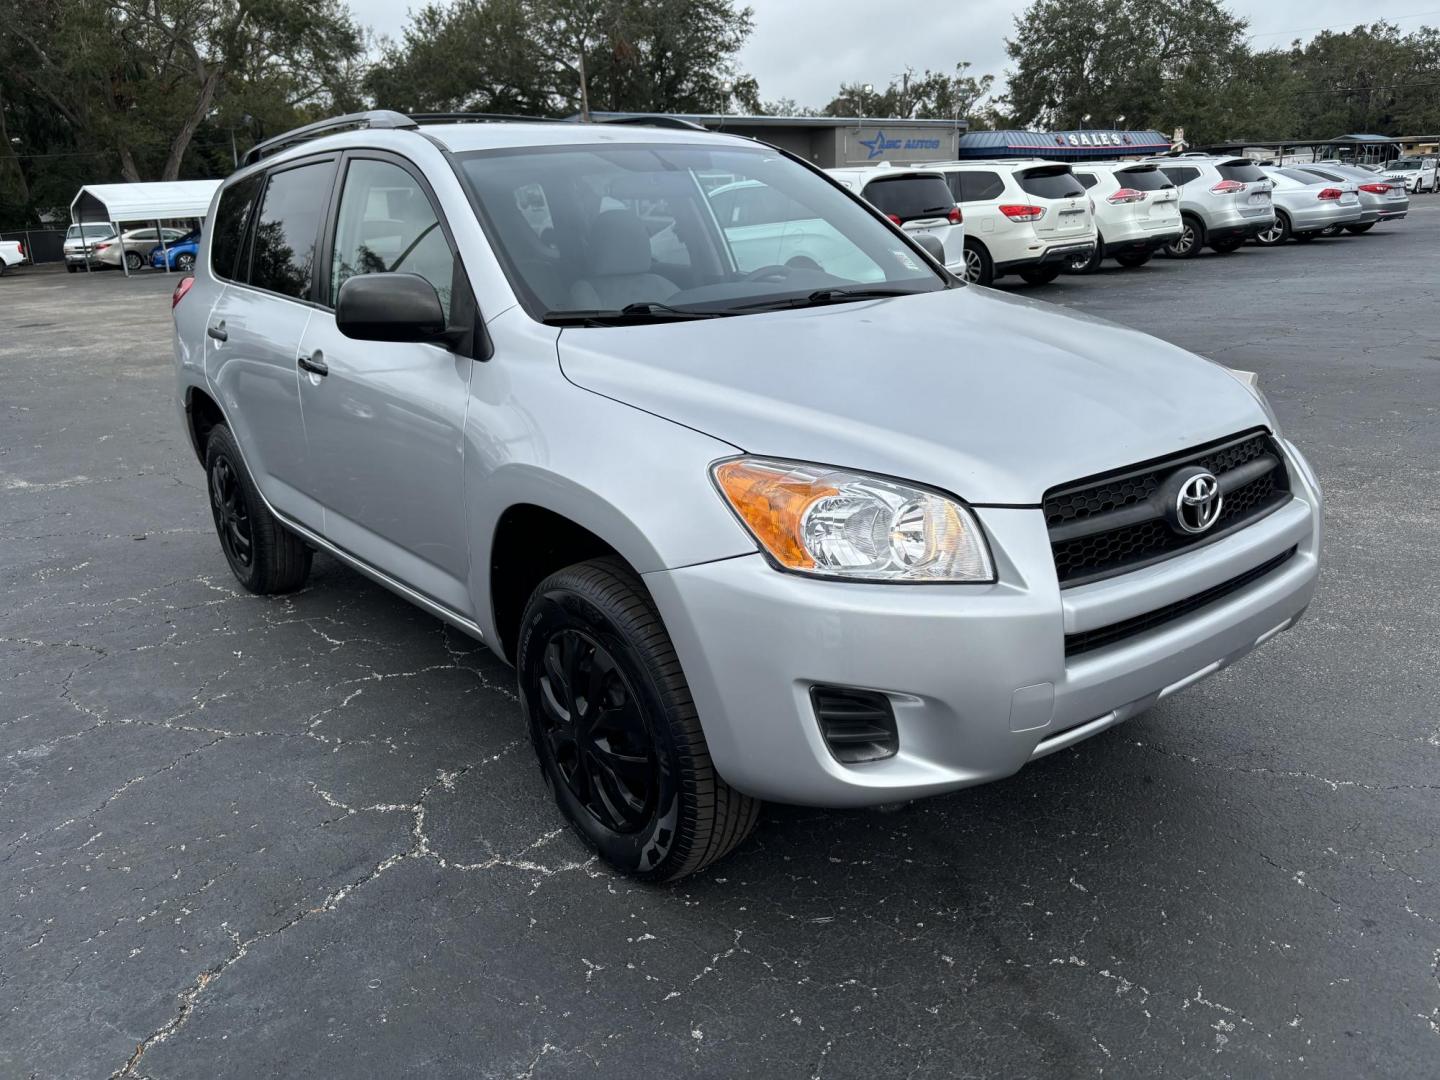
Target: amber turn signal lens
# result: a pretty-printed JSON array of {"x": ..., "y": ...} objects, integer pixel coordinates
[{"x": 773, "y": 504}]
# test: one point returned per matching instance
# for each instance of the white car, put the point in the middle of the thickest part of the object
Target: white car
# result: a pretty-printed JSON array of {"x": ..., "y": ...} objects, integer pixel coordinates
[
  {"x": 917, "y": 200},
  {"x": 1026, "y": 216},
  {"x": 12, "y": 253},
  {"x": 1137, "y": 212},
  {"x": 1418, "y": 174}
]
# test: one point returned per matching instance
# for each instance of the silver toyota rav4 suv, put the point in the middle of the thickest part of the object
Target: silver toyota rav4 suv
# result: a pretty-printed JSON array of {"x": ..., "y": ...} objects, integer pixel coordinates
[{"x": 777, "y": 533}]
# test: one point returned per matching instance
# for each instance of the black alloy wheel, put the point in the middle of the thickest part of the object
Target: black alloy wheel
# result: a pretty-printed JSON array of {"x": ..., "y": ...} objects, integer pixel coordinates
[
  {"x": 615, "y": 729},
  {"x": 595, "y": 732},
  {"x": 185, "y": 261},
  {"x": 232, "y": 516}
]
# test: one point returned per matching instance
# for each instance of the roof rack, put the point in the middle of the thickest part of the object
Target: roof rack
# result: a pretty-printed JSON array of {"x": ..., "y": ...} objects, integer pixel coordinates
[
  {"x": 656, "y": 120},
  {"x": 375, "y": 118},
  {"x": 480, "y": 118}
]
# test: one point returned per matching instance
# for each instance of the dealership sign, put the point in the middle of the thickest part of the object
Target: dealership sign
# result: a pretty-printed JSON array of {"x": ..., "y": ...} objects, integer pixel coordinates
[
  {"x": 1092, "y": 138},
  {"x": 879, "y": 146}
]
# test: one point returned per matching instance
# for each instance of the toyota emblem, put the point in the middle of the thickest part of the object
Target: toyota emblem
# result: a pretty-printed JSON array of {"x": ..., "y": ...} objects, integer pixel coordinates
[{"x": 1198, "y": 503}]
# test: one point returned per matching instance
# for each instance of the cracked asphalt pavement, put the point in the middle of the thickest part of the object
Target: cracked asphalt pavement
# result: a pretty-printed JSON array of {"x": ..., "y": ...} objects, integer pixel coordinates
[{"x": 246, "y": 837}]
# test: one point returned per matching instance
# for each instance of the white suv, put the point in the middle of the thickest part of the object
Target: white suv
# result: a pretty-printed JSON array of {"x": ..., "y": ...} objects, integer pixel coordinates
[
  {"x": 1137, "y": 212},
  {"x": 917, "y": 200},
  {"x": 1029, "y": 217}
]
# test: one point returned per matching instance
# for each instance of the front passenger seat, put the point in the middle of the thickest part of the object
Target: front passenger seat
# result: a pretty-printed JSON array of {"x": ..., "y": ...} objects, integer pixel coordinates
[{"x": 618, "y": 261}]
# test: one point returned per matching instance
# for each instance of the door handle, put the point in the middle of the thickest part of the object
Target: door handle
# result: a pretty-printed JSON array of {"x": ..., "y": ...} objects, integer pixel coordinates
[
  {"x": 218, "y": 332},
  {"x": 314, "y": 364}
]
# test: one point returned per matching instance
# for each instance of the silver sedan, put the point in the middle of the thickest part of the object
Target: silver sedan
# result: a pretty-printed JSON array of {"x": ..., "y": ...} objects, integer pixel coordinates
[
  {"x": 1380, "y": 199},
  {"x": 1305, "y": 205}
]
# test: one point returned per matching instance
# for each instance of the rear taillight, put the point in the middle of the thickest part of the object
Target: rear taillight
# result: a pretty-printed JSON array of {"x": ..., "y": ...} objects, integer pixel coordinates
[
  {"x": 180, "y": 291},
  {"x": 1023, "y": 212},
  {"x": 1228, "y": 187},
  {"x": 1126, "y": 195},
  {"x": 22, "y": 250},
  {"x": 895, "y": 218},
  {"x": 1329, "y": 193},
  {"x": 955, "y": 216},
  {"x": 1376, "y": 189},
  {"x": 103, "y": 245}
]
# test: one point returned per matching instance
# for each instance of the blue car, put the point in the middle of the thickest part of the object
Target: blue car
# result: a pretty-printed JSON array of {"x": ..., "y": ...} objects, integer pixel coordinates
[{"x": 182, "y": 253}]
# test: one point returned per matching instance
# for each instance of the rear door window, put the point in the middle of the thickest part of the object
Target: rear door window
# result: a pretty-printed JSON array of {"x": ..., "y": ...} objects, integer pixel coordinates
[
  {"x": 1143, "y": 179},
  {"x": 1243, "y": 172},
  {"x": 287, "y": 229},
  {"x": 911, "y": 197},
  {"x": 1053, "y": 182},
  {"x": 1180, "y": 175},
  {"x": 232, "y": 217},
  {"x": 980, "y": 186}
]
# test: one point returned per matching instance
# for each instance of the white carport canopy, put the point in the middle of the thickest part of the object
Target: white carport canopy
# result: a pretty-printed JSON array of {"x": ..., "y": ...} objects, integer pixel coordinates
[{"x": 116, "y": 204}]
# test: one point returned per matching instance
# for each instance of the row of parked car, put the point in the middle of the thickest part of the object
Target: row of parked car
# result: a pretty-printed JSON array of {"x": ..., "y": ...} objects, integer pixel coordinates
[
  {"x": 102, "y": 247},
  {"x": 1037, "y": 218}
]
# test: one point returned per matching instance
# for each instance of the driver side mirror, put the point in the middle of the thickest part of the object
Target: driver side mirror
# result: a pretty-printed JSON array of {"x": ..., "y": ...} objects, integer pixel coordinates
[
  {"x": 390, "y": 307},
  {"x": 932, "y": 245}
]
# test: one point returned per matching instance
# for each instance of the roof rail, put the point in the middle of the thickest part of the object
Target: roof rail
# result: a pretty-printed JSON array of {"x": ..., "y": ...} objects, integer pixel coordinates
[
  {"x": 375, "y": 118},
  {"x": 480, "y": 118},
  {"x": 656, "y": 120}
]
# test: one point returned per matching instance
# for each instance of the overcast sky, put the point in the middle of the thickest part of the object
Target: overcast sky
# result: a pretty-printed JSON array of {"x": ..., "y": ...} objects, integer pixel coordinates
[{"x": 804, "y": 49}]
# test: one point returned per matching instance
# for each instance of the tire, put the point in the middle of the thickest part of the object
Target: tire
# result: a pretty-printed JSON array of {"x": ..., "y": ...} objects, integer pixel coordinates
[
  {"x": 263, "y": 555},
  {"x": 1132, "y": 259},
  {"x": 1191, "y": 239},
  {"x": 1090, "y": 263},
  {"x": 1040, "y": 275},
  {"x": 665, "y": 812},
  {"x": 133, "y": 261},
  {"x": 185, "y": 262},
  {"x": 1278, "y": 233},
  {"x": 1228, "y": 245},
  {"x": 1332, "y": 230},
  {"x": 1358, "y": 229},
  {"x": 1304, "y": 237},
  {"x": 979, "y": 267},
  {"x": 71, "y": 268}
]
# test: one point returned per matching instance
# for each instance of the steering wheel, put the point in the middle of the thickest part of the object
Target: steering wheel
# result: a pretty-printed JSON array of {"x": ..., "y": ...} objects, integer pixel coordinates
[{"x": 773, "y": 272}]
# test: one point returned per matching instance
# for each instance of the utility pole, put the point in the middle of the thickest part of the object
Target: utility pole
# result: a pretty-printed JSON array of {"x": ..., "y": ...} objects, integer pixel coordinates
[{"x": 584, "y": 89}]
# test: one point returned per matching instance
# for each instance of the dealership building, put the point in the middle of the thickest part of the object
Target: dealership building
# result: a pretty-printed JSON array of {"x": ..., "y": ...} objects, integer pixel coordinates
[{"x": 835, "y": 141}]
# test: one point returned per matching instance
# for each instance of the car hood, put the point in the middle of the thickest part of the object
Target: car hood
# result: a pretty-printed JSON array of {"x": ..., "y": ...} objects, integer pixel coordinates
[{"x": 991, "y": 397}]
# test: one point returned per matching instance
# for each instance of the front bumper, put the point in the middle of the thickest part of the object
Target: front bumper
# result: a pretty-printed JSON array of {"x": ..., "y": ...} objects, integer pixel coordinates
[{"x": 977, "y": 676}]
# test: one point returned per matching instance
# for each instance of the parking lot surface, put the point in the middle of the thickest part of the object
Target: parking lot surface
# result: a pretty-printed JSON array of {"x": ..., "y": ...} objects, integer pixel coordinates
[{"x": 246, "y": 837}]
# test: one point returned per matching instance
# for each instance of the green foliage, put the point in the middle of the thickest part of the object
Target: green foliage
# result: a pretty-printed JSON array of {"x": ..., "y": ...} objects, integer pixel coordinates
[
  {"x": 527, "y": 56},
  {"x": 933, "y": 95}
]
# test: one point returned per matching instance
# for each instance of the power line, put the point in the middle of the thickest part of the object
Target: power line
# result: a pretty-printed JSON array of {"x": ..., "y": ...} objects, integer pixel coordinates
[{"x": 1337, "y": 26}]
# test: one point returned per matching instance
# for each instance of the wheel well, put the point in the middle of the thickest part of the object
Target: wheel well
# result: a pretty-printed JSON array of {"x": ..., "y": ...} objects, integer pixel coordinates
[
  {"x": 531, "y": 543},
  {"x": 203, "y": 415}
]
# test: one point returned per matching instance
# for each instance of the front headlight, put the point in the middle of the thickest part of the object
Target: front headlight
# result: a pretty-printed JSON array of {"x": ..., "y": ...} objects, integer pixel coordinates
[{"x": 832, "y": 523}]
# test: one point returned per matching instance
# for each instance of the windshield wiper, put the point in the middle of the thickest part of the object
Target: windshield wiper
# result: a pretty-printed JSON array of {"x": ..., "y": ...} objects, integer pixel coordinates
[
  {"x": 641, "y": 311},
  {"x": 833, "y": 295}
]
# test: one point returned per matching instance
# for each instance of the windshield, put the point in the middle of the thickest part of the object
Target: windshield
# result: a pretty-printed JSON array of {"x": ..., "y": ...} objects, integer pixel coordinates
[
  {"x": 690, "y": 229},
  {"x": 1404, "y": 166},
  {"x": 93, "y": 232}
]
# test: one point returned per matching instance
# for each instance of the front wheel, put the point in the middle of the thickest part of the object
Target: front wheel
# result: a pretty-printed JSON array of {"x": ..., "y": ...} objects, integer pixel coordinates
[
  {"x": 979, "y": 269},
  {"x": 1040, "y": 275},
  {"x": 1358, "y": 229},
  {"x": 185, "y": 262},
  {"x": 1277, "y": 234},
  {"x": 1187, "y": 244},
  {"x": 1088, "y": 263},
  {"x": 263, "y": 555},
  {"x": 615, "y": 728}
]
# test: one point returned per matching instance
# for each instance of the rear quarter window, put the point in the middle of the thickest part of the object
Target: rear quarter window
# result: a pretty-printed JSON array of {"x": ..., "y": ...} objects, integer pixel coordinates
[
  {"x": 232, "y": 217},
  {"x": 1052, "y": 183},
  {"x": 1087, "y": 180},
  {"x": 980, "y": 186},
  {"x": 910, "y": 197},
  {"x": 1180, "y": 175}
]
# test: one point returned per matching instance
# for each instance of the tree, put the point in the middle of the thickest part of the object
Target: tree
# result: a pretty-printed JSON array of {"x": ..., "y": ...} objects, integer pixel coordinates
[
  {"x": 555, "y": 57},
  {"x": 933, "y": 95},
  {"x": 1158, "y": 63}
]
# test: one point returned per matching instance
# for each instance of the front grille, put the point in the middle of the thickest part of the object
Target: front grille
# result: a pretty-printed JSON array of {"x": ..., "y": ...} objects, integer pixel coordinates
[
  {"x": 1112, "y": 524},
  {"x": 857, "y": 725},
  {"x": 1089, "y": 640}
]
